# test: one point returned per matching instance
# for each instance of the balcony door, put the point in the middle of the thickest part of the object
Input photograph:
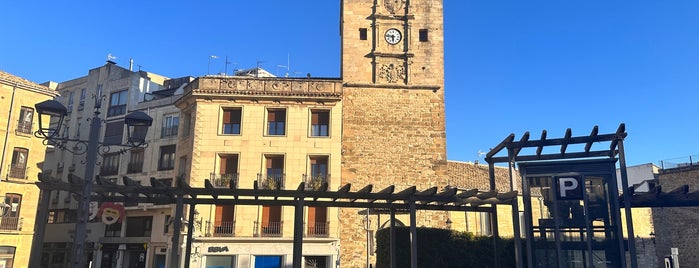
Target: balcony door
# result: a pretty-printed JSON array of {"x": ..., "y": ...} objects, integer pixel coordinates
[
  {"x": 317, "y": 221},
  {"x": 224, "y": 221},
  {"x": 271, "y": 221}
]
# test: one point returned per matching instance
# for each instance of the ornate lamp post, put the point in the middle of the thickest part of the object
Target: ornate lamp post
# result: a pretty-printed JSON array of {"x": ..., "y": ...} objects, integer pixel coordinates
[{"x": 137, "y": 124}]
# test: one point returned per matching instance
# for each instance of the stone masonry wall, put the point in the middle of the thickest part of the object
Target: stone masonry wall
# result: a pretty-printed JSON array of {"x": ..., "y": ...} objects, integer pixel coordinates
[
  {"x": 390, "y": 137},
  {"x": 676, "y": 227}
]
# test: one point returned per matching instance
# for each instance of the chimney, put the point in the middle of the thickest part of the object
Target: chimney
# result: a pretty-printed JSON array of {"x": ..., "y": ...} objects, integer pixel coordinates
[{"x": 131, "y": 64}]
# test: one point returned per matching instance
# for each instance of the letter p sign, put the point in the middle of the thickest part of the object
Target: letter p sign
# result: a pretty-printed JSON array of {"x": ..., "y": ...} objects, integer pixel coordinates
[{"x": 569, "y": 188}]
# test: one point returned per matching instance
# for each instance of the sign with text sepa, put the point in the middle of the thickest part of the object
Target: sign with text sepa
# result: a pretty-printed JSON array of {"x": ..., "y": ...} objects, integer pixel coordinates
[{"x": 569, "y": 188}]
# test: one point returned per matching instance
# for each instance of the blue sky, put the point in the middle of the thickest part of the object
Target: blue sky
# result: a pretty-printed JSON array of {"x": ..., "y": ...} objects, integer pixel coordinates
[{"x": 510, "y": 66}]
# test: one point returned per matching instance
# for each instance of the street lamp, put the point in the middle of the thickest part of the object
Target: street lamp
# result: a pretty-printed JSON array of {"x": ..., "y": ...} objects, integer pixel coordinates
[{"x": 137, "y": 124}]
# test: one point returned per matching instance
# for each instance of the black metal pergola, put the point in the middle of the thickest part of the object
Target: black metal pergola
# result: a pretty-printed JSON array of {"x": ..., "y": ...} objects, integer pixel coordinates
[
  {"x": 514, "y": 155},
  {"x": 388, "y": 199}
]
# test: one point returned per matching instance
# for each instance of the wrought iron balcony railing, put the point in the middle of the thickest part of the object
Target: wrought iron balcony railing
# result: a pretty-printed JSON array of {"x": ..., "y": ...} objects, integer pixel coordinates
[
  {"x": 24, "y": 127},
  {"x": 134, "y": 167},
  {"x": 270, "y": 182},
  {"x": 314, "y": 182},
  {"x": 11, "y": 224},
  {"x": 109, "y": 170},
  {"x": 18, "y": 172},
  {"x": 224, "y": 180},
  {"x": 269, "y": 229},
  {"x": 224, "y": 228},
  {"x": 318, "y": 229}
]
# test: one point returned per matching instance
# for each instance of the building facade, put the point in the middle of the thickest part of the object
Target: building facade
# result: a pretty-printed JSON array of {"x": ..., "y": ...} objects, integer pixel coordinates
[
  {"x": 269, "y": 133},
  {"x": 393, "y": 125},
  {"x": 141, "y": 238},
  {"x": 21, "y": 160}
]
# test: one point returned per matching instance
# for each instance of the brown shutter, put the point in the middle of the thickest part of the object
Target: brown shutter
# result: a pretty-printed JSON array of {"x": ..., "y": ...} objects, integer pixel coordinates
[
  {"x": 265, "y": 215},
  {"x": 311, "y": 216},
  {"x": 226, "y": 116},
  {"x": 219, "y": 215},
  {"x": 223, "y": 165},
  {"x": 271, "y": 115},
  {"x": 227, "y": 213},
  {"x": 314, "y": 118}
]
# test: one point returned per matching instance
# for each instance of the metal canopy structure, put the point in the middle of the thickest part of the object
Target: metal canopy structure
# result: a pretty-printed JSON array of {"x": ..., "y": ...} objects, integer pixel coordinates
[
  {"x": 409, "y": 199},
  {"x": 680, "y": 197},
  {"x": 542, "y": 153}
]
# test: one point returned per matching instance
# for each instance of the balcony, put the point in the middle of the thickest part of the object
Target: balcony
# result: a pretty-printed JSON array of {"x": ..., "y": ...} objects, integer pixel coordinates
[
  {"x": 228, "y": 181},
  {"x": 109, "y": 170},
  {"x": 224, "y": 229},
  {"x": 18, "y": 172},
  {"x": 24, "y": 127},
  {"x": 269, "y": 229},
  {"x": 270, "y": 182},
  {"x": 318, "y": 229},
  {"x": 313, "y": 183},
  {"x": 11, "y": 224},
  {"x": 134, "y": 167}
]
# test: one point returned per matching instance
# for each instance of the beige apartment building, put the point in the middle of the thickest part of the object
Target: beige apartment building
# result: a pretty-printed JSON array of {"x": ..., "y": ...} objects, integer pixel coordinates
[
  {"x": 21, "y": 160},
  {"x": 265, "y": 132}
]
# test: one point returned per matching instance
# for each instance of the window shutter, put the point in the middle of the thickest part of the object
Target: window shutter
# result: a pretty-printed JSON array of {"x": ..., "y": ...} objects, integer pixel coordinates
[{"x": 226, "y": 116}]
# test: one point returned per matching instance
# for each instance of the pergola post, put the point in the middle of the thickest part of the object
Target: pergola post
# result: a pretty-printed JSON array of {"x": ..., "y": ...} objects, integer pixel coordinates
[
  {"x": 393, "y": 238},
  {"x": 298, "y": 233},
  {"x": 41, "y": 219},
  {"x": 190, "y": 233},
  {"x": 174, "y": 257},
  {"x": 413, "y": 236}
]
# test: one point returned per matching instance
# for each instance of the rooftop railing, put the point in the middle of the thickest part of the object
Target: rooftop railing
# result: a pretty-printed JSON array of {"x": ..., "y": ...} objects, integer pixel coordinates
[{"x": 692, "y": 160}]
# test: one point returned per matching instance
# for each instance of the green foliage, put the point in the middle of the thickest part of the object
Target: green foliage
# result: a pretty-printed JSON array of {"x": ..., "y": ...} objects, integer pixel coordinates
[{"x": 443, "y": 248}]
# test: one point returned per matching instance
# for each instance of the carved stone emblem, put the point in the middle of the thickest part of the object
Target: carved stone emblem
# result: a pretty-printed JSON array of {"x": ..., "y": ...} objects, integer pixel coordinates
[
  {"x": 392, "y": 73},
  {"x": 393, "y": 6}
]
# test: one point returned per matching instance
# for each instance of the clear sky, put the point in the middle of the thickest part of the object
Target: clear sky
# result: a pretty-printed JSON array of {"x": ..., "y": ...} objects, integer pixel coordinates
[{"x": 510, "y": 66}]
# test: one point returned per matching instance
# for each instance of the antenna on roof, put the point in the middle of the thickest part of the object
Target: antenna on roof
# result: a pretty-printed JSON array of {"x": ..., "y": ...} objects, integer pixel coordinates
[
  {"x": 257, "y": 70},
  {"x": 287, "y": 66}
]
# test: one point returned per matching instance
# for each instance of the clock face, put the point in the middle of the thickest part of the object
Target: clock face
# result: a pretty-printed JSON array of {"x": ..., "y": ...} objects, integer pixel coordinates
[{"x": 393, "y": 36}]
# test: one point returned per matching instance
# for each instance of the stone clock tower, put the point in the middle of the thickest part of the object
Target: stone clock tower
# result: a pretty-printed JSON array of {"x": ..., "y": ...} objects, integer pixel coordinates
[{"x": 393, "y": 106}]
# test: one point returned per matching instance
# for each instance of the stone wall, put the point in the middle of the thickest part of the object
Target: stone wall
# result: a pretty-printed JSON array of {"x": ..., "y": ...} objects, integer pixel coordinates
[
  {"x": 390, "y": 137},
  {"x": 674, "y": 227}
]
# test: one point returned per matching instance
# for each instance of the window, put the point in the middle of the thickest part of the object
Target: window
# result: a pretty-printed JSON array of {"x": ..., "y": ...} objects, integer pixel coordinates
[
  {"x": 81, "y": 104},
  {"x": 186, "y": 124},
  {"x": 11, "y": 220},
  {"x": 320, "y": 122},
  {"x": 70, "y": 102},
  {"x": 317, "y": 222},
  {"x": 319, "y": 173},
  {"x": 315, "y": 262},
  {"x": 26, "y": 116},
  {"x": 117, "y": 103},
  {"x": 231, "y": 121},
  {"x": 274, "y": 178},
  {"x": 362, "y": 34},
  {"x": 170, "y": 125},
  {"x": 139, "y": 226},
  {"x": 166, "y": 225},
  {"x": 112, "y": 230},
  {"x": 228, "y": 172},
  {"x": 18, "y": 166},
  {"x": 224, "y": 222},
  {"x": 276, "y": 119},
  {"x": 485, "y": 224},
  {"x": 135, "y": 161},
  {"x": 110, "y": 164},
  {"x": 167, "y": 157},
  {"x": 268, "y": 261},
  {"x": 424, "y": 35},
  {"x": 271, "y": 221},
  {"x": 114, "y": 132},
  {"x": 222, "y": 261},
  {"x": 7, "y": 256}
]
